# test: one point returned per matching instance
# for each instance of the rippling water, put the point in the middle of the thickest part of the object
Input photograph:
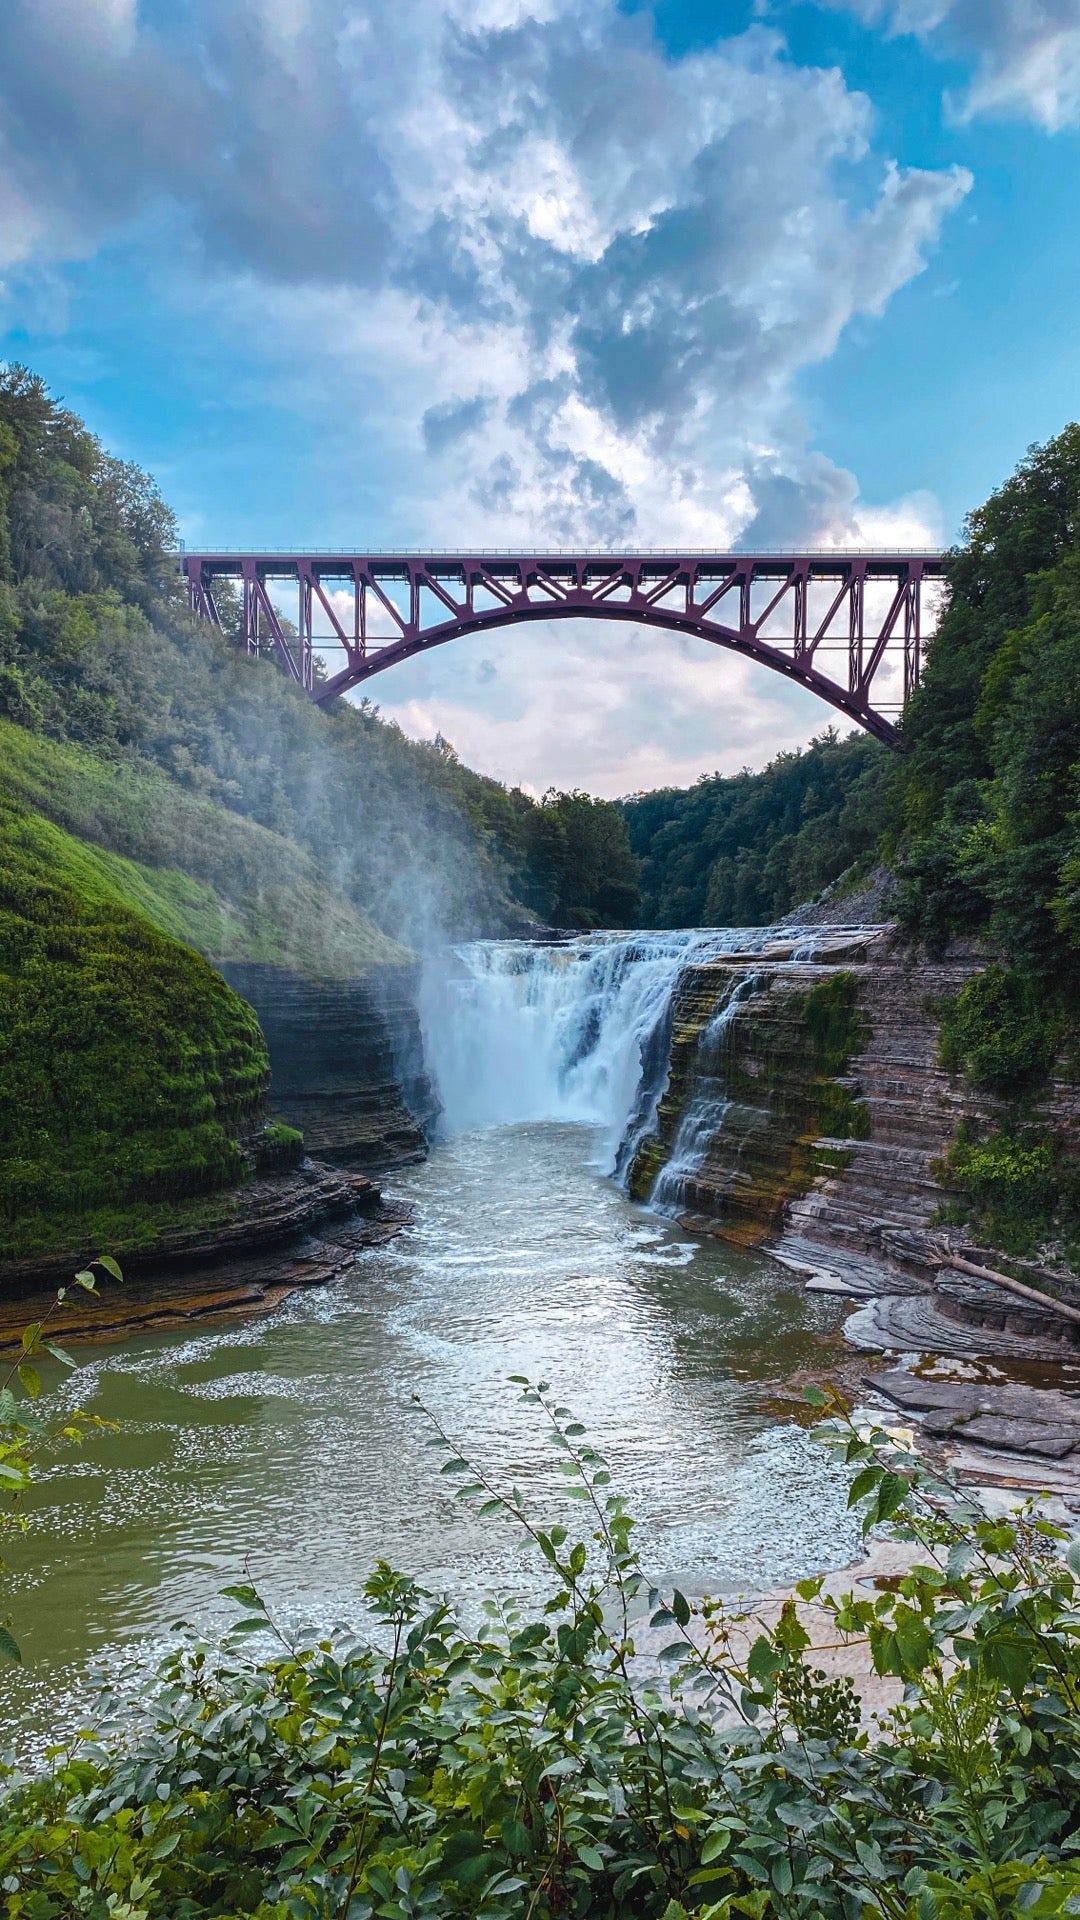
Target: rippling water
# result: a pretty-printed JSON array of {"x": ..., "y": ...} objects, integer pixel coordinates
[{"x": 293, "y": 1443}]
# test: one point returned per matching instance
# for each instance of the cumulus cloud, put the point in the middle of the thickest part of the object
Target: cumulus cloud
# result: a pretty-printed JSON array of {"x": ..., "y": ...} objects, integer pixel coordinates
[
  {"x": 1026, "y": 53},
  {"x": 559, "y": 285},
  {"x": 587, "y": 271}
]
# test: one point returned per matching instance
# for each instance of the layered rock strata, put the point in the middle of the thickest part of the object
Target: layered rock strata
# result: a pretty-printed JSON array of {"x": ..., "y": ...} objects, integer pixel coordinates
[
  {"x": 346, "y": 1060},
  {"x": 302, "y": 1232},
  {"x": 763, "y": 1134},
  {"x": 756, "y": 1090}
]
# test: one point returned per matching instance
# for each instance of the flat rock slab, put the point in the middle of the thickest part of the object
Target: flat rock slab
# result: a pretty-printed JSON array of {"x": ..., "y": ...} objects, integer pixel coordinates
[
  {"x": 842, "y": 1270},
  {"x": 1008, "y": 1417},
  {"x": 235, "y": 1285},
  {"x": 900, "y": 1324}
]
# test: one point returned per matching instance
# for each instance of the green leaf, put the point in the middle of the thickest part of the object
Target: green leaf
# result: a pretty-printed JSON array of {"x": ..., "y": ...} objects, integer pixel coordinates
[
  {"x": 86, "y": 1281},
  {"x": 31, "y": 1380},
  {"x": 763, "y": 1661},
  {"x": 892, "y": 1493},
  {"x": 454, "y": 1466},
  {"x": 864, "y": 1483},
  {"x": 1073, "y": 1557},
  {"x": 58, "y": 1353},
  {"x": 106, "y": 1260},
  {"x": 590, "y": 1858},
  {"x": 246, "y": 1596},
  {"x": 814, "y": 1397},
  {"x": 516, "y": 1837},
  {"x": 9, "y": 1646},
  {"x": 961, "y": 1555},
  {"x": 680, "y": 1607},
  {"x": 716, "y": 1844},
  {"x": 31, "y": 1338},
  {"x": 781, "y": 1874}
]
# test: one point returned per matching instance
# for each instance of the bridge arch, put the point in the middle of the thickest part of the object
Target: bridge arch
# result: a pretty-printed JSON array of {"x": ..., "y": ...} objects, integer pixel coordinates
[{"x": 792, "y": 613}]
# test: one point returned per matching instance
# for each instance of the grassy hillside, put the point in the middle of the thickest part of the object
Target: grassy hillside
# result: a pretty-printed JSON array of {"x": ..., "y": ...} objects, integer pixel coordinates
[
  {"x": 97, "y": 649},
  {"x": 128, "y": 1069},
  {"x": 228, "y": 887}
]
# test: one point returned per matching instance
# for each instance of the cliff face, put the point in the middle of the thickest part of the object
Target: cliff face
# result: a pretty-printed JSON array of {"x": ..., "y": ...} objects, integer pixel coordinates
[
  {"x": 805, "y": 1103},
  {"x": 756, "y": 1099},
  {"x": 346, "y": 1060}
]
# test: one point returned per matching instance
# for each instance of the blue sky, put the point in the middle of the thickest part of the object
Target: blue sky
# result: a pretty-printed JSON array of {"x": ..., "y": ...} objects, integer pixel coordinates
[{"x": 500, "y": 270}]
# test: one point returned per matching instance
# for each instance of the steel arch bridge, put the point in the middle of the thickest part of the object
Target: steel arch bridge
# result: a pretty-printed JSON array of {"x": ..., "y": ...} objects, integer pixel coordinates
[{"x": 849, "y": 626}]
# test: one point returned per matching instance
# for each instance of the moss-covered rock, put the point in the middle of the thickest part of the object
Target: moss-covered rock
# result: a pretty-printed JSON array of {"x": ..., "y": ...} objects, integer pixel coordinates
[{"x": 130, "y": 1073}]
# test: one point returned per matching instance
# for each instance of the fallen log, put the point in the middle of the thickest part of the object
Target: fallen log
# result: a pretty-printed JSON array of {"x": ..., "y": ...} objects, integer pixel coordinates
[{"x": 1010, "y": 1285}]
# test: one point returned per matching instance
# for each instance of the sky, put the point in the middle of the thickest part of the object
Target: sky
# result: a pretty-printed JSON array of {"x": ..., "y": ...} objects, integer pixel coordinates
[{"x": 501, "y": 272}]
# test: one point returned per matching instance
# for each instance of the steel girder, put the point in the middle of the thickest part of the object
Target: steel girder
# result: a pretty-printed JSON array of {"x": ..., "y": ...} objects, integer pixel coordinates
[{"x": 847, "y": 626}]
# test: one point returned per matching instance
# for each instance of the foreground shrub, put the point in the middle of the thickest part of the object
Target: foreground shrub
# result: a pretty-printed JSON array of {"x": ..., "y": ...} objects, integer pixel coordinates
[{"x": 530, "y": 1769}]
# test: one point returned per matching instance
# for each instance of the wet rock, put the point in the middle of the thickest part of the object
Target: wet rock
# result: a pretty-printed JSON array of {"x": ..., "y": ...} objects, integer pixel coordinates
[
  {"x": 346, "y": 1060},
  {"x": 1004, "y": 1416},
  {"x": 246, "y": 1279}
]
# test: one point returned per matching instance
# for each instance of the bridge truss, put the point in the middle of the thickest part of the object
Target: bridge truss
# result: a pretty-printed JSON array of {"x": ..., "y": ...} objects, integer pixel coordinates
[{"x": 850, "y": 627}]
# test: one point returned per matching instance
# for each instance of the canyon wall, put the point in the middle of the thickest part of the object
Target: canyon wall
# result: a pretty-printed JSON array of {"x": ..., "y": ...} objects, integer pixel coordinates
[
  {"x": 804, "y": 1101},
  {"x": 805, "y": 1107},
  {"x": 346, "y": 1060}
]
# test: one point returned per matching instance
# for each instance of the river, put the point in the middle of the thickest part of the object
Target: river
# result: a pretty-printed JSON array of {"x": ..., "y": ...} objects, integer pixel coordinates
[{"x": 293, "y": 1446}]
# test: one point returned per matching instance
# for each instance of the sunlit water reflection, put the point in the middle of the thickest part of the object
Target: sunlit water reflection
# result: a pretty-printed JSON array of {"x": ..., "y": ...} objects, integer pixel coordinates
[{"x": 294, "y": 1445}]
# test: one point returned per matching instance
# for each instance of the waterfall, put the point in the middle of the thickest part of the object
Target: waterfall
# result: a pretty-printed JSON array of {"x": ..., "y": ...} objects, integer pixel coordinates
[
  {"x": 579, "y": 1030},
  {"x": 703, "y": 1116},
  {"x": 575, "y": 1030}
]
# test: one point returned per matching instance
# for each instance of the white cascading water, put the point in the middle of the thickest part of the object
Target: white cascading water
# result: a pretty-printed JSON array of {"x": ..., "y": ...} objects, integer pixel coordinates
[
  {"x": 703, "y": 1115},
  {"x": 571, "y": 1031}
]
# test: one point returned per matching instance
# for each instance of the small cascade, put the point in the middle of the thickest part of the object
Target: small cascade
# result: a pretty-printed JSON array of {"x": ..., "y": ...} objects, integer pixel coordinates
[{"x": 703, "y": 1115}]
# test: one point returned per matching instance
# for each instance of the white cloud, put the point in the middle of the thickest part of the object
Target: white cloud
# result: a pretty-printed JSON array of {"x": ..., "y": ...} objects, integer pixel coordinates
[
  {"x": 547, "y": 282},
  {"x": 543, "y": 706},
  {"x": 1026, "y": 53}
]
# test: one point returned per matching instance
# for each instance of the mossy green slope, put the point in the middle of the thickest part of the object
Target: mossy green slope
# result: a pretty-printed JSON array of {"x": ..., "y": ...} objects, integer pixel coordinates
[
  {"x": 230, "y": 888},
  {"x": 129, "y": 1070}
]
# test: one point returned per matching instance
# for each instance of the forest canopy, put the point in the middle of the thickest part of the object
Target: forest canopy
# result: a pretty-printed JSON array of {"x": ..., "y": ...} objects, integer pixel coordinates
[{"x": 744, "y": 849}]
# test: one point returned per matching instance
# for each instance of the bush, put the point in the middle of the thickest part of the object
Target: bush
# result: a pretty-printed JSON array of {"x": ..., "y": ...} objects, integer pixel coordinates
[
  {"x": 531, "y": 1770},
  {"x": 999, "y": 1032}
]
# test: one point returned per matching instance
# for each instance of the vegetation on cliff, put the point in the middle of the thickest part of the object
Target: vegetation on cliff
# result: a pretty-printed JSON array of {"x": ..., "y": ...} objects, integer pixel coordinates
[
  {"x": 983, "y": 829},
  {"x": 97, "y": 649},
  {"x": 128, "y": 1069},
  {"x": 771, "y": 1056},
  {"x": 743, "y": 850},
  {"x": 158, "y": 787},
  {"x": 532, "y": 1770},
  {"x": 230, "y": 888}
]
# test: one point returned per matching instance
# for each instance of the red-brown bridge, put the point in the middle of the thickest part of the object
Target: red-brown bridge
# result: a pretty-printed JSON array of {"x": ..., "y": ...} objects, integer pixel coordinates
[{"x": 848, "y": 626}]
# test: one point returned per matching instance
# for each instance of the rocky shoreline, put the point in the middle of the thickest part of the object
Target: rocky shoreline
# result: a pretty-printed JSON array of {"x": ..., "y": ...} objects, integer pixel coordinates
[{"x": 286, "y": 1234}]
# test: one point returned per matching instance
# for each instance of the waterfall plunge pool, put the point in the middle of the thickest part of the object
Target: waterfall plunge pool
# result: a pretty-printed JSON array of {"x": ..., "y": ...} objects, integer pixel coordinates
[{"x": 292, "y": 1445}]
